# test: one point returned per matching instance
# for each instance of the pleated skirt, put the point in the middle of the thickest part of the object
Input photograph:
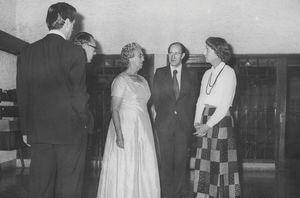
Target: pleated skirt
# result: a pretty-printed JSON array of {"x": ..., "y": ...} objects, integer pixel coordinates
[{"x": 214, "y": 160}]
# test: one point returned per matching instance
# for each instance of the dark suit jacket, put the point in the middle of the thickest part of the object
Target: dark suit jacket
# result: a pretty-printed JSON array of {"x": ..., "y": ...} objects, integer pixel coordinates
[
  {"x": 165, "y": 103},
  {"x": 51, "y": 91}
]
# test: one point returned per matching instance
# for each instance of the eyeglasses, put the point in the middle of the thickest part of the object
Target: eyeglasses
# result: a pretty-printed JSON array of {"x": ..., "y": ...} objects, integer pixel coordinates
[
  {"x": 174, "y": 53},
  {"x": 92, "y": 46}
]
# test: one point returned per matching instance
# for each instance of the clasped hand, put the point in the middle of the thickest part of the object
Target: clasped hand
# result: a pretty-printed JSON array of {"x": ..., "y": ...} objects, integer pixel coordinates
[{"x": 201, "y": 129}]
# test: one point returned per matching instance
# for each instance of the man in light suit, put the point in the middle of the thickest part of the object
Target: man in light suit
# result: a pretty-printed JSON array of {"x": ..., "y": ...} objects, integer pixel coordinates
[
  {"x": 174, "y": 98},
  {"x": 52, "y": 100}
]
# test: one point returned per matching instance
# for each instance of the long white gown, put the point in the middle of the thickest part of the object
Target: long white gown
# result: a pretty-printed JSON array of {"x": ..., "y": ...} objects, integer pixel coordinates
[{"x": 131, "y": 172}]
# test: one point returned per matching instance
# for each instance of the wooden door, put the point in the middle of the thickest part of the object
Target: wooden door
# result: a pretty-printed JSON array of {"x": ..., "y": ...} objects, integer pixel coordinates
[
  {"x": 292, "y": 143},
  {"x": 260, "y": 107}
]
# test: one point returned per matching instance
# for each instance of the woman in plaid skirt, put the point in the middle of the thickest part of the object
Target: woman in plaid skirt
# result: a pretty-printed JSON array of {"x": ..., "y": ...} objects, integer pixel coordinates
[{"x": 215, "y": 158}]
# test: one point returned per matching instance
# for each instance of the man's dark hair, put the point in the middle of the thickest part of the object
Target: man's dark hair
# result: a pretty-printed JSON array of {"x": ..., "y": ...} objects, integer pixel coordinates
[
  {"x": 58, "y": 13},
  {"x": 82, "y": 38},
  {"x": 183, "y": 49}
]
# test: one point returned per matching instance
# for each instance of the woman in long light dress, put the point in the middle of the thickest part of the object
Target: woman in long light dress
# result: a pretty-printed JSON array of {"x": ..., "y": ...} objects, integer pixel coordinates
[{"x": 129, "y": 168}]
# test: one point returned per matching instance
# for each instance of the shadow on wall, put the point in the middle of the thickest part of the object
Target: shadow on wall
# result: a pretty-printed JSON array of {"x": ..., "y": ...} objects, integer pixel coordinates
[{"x": 78, "y": 27}]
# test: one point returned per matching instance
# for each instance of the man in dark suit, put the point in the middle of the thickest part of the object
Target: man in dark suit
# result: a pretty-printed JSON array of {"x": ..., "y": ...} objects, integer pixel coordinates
[
  {"x": 52, "y": 100},
  {"x": 88, "y": 43},
  {"x": 174, "y": 99}
]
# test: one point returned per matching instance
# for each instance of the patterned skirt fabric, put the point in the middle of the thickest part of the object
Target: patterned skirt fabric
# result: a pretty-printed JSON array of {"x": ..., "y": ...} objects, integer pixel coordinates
[{"x": 214, "y": 161}]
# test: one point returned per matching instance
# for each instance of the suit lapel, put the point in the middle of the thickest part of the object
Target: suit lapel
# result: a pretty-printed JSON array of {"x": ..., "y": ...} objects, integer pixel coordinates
[
  {"x": 184, "y": 82},
  {"x": 169, "y": 81}
]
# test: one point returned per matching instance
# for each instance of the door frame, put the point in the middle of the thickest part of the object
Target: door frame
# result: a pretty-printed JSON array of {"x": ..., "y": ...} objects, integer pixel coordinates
[{"x": 281, "y": 98}]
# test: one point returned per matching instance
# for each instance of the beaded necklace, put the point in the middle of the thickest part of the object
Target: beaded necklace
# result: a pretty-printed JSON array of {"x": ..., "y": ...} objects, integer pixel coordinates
[{"x": 213, "y": 84}]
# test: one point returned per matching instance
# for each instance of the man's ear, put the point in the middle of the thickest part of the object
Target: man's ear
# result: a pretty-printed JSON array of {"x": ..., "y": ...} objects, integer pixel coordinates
[
  {"x": 182, "y": 56},
  {"x": 67, "y": 22},
  {"x": 84, "y": 46}
]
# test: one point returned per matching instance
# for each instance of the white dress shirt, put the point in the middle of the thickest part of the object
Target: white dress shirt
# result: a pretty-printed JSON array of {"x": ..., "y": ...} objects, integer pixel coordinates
[
  {"x": 57, "y": 32},
  {"x": 178, "y": 75},
  {"x": 220, "y": 94}
]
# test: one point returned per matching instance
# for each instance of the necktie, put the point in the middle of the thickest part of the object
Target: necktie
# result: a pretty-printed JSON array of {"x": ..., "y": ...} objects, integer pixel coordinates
[{"x": 175, "y": 84}]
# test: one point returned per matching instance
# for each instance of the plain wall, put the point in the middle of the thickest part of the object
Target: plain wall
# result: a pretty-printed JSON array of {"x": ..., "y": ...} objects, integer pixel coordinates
[
  {"x": 251, "y": 26},
  {"x": 7, "y": 61}
]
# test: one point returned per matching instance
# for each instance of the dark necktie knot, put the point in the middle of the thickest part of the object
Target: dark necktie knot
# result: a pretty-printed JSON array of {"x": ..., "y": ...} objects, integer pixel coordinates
[{"x": 174, "y": 72}]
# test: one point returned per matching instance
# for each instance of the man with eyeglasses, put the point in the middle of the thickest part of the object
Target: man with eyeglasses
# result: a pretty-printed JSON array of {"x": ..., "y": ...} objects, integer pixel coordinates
[
  {"x": 174, "y": 98},
  {"x": 52, "y": 100},
  {"x": 87, "y": 42}
]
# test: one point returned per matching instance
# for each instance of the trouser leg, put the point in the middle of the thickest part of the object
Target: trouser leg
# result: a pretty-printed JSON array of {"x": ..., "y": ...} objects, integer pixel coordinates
[
  {"x": 166, "y": 168},
  {"x": 70, "y": 170},
  {"x": 42, "y": 171},
  {"x": 180, "y": 178}
]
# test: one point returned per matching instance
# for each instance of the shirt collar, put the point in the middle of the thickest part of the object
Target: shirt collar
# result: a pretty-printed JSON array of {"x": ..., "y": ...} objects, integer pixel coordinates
[
  {"x": 58, "y": 33},
  {"x": 178, "y": 68}
]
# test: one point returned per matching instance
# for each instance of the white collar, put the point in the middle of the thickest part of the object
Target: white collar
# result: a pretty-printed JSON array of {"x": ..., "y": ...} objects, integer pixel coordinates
[
  {"x": 58, "y": 33},
  {"x": 178, "y": 68}
]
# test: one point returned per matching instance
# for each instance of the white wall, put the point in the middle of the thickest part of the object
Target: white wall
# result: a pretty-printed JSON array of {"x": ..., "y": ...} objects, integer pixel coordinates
[
  {"x": 7, "y": 61},
  {"x": 251, "y": 26}
]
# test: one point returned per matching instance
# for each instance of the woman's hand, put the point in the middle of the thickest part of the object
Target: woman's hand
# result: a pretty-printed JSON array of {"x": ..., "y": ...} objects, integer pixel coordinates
[
  {"x": 25, "y": 140},
  {"x": 153, "y": 112},
  {"x": 197, "y": 125},
  {"x": 201, "y": 129},
  {"x": 120, "y": 140}
]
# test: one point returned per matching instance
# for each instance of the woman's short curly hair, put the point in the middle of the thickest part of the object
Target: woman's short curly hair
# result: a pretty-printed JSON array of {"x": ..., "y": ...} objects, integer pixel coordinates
[
  {"x": 221, "y": 47},
  {"x": 127, "y": 52}
]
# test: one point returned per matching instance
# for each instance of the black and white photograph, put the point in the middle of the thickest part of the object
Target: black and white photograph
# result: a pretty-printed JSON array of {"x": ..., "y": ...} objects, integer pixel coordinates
[{"x": 149, "y": 99}]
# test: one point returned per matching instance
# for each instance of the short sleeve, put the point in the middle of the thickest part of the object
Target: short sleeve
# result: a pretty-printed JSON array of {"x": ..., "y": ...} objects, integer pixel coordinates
[{"x": 118, "y": 86}]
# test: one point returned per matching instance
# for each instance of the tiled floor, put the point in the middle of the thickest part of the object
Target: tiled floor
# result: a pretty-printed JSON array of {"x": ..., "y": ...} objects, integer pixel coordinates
[{"x": 255, "y": 184}]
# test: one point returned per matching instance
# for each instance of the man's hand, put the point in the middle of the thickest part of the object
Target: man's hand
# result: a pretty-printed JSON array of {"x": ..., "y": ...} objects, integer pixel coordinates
[{"x": 25, "y": 140}]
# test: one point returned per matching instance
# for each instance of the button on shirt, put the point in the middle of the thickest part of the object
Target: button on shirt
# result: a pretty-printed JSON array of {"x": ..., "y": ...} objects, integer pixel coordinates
[
  {"x": 220, "y": 95},
  {"x": 178, "y": 75}
]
